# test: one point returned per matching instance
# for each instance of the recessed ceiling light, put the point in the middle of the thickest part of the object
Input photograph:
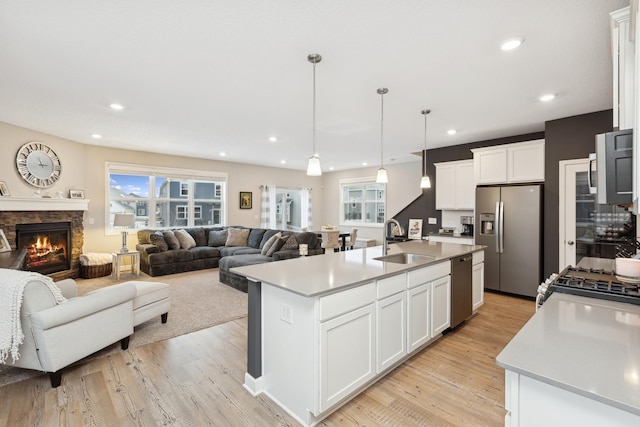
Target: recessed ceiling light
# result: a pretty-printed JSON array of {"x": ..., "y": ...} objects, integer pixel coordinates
[
  {"x": 223, "y": 154},
  {"x": 452, "y": 132},
  {"x": 365, "y": 164},
  {"x": 116, "y": 106},
  {"x": 96, "y": 136},
  {"x": 283, "y": 161},
  {"x": 330, "y": 168},
  {"x": 512, "y": 43},
  {"x": 273, "y": 139},
  {"x": 548, "y": 97}
]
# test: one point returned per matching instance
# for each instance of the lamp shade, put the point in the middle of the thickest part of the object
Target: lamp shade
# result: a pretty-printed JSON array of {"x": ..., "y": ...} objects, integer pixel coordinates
[
  {"x": 382, "y": 176},
  {"x": 313, "y": 168},
  {"x": 124, "y": 220}
]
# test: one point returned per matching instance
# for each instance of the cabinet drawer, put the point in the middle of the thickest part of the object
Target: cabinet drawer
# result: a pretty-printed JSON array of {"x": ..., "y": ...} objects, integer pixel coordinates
[
  {"x": 428, "y": 274},
  {"x": 342, "y": 302},
  {"x": 478, "y": 257},
  {"x": 391, "y": 285}
]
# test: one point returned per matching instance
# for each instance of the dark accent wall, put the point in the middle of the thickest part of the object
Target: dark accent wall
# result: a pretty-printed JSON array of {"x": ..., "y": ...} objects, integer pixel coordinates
[{"x": 565, "y": 139}]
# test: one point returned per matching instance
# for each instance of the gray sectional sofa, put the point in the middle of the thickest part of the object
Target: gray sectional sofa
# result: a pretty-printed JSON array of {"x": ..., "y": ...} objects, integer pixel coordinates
[{"x": 195, "y": 248}]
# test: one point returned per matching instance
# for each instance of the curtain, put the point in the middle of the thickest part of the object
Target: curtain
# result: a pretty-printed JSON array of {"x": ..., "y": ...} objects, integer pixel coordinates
[
  {"x": 267, "y": 215},
  {"x": 306, "y": 199}
]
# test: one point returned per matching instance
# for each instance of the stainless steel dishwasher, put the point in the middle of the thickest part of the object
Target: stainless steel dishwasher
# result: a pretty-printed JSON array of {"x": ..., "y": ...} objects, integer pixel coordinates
[{"x": 461, "y": 298}]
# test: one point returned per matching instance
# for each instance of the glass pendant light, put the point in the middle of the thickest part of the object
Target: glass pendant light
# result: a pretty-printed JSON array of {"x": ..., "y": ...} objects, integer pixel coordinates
[
  {"x": 313, "y": 168},
  {"x": 425, "y": 182},
  {"x": 382, "y": 172}
]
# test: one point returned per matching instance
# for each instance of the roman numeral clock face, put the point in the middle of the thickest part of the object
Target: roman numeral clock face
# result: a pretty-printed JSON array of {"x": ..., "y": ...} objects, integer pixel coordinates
[{"x": 38, "y": 164}]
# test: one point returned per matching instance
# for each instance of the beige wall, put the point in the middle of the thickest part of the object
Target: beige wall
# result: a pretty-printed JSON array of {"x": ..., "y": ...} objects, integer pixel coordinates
[{"x": 83, "y": 167}]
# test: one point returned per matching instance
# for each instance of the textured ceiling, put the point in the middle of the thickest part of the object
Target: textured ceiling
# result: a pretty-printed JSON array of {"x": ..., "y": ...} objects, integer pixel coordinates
[{"x": 203, "y": 77}]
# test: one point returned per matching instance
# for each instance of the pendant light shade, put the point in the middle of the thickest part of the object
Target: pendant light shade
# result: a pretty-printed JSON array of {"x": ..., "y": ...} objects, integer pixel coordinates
[
  {"x": 425, "y": 182},
  {"x": 313, "y": 167},
  {"x": 382, "y": 172}
]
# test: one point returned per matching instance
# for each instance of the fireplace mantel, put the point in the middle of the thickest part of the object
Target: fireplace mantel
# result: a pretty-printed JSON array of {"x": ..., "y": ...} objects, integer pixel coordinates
[{"x": 42, "y": 204}]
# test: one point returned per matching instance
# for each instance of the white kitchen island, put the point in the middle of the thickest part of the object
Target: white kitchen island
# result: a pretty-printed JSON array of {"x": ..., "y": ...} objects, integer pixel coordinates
[
  {"x": 323, "y": 328},
  {"x": 575, "y": 363}
]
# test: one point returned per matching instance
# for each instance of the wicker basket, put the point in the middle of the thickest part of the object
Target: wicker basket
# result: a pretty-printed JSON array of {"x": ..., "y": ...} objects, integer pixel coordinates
[{"x": 93, "y": 271}]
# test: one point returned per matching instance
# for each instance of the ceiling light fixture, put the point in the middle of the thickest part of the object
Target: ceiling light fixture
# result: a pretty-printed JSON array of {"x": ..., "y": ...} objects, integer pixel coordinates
[
  {"x": 96, "y": 136},
  {"x": 116, "y": 106},
  {"x": 548, "y": 97},
  {"x": 313, "y": 168},
  {"x": 382, "y": 172},
  {"x": 512, "y": 43},
  {"x": 425, "y": 182},
  {"x": 452, "y": 132},
  {"x": 273, "y": 139}
]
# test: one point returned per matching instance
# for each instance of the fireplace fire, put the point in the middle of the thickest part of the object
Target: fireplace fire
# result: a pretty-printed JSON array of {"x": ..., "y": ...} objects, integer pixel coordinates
[{"x": 46, "y": 246}]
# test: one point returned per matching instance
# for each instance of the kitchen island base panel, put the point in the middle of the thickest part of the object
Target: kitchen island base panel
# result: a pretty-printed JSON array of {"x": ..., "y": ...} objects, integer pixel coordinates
[{"x": 530, "y": 403}]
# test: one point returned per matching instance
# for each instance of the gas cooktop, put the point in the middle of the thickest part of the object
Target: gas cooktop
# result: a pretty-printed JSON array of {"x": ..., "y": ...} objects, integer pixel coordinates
[{"x": 595, "y": 284}]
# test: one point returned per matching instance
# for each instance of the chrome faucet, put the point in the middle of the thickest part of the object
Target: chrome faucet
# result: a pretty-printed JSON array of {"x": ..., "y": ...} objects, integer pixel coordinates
[{"x": 385, "y": 244}]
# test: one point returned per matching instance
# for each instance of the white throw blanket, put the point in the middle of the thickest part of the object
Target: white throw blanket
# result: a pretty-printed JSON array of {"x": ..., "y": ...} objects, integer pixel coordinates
[
  {"x": 95, "y": 258},
  {"x": 12, "y": 284}
]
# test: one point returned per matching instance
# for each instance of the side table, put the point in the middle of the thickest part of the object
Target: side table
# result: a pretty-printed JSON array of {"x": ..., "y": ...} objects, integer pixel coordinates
[{"x": 134, "y": 257}]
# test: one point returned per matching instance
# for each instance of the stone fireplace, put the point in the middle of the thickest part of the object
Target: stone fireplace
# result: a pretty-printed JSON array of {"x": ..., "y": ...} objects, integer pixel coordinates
[{"x": 16, "y": 212}]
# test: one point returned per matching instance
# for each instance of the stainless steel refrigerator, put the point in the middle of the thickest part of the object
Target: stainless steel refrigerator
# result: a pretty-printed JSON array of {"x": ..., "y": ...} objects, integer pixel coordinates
[{"x": 509, "y": 223}]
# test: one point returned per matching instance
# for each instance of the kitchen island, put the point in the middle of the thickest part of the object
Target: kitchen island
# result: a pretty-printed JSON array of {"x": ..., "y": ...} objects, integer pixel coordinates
[
  {"x": 321, "y": 329},
  {"x": 575, "y": 363}
]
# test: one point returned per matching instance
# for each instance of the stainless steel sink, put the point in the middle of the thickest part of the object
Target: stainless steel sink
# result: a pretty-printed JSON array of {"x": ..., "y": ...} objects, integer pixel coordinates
[{"x": 405, "y": 258}]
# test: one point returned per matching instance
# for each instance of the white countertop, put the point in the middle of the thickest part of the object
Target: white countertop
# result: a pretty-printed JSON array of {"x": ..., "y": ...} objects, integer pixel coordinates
[
  {"x": 323, "y": 274},
  {"x": 584, "y": 345}
]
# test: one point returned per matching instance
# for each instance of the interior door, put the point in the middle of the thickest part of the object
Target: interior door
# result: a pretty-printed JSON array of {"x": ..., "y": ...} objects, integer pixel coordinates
[{"x": 576, "y": 207}]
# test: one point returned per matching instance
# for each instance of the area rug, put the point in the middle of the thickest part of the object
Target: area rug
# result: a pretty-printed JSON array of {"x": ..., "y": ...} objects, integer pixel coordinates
[{"x": 198, "y": 301}]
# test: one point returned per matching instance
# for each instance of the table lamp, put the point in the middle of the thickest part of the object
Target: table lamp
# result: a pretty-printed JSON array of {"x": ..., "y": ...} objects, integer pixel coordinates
[{"x": 124, "y": 220}]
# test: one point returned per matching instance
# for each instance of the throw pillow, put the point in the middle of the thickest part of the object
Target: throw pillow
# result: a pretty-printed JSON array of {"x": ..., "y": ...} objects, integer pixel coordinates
[
  {"x": 185, "y": 239},
  {"x": 290, "y": 244},
  {"x": 237, "y": 236},
  {"x": 276, "y": 246},
  {"x": 198, "y": 236},
  {"x": 270, "y": 243},
  {"x": 217, "y": 238},
  {"x": 171, "y": 239},
  {"x": 255, "y": 237},
  {"x": 267, "y": 235},
  {"x": 158, "y": 239}
]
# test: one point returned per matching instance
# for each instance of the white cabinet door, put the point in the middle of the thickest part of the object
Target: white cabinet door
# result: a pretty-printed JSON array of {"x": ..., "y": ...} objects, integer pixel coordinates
[
  {"x": 490, "y": 165},
  {"x": 465, "y": 186},
  {"x": 477, "y": 285},
  {"x": 347, "y": 354},
  {"x": 519, "y": 162},
  {"x": 445, "y": 186},
  {"x": 418, "y": 316},
  {"x": 440, "y": 305},
  {"x": 525, "y": 162},
  {"x": 391, "y": 320}
]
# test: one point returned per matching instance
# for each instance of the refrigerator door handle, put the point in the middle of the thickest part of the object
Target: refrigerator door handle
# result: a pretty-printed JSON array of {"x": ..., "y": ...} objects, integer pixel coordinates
[
  {"x": 497, "y": 227},
  {"x": 501, "y": 227}
]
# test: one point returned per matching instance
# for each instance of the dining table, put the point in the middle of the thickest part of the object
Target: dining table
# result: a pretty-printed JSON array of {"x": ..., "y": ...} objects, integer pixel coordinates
[{"x": 343, "y": 237}]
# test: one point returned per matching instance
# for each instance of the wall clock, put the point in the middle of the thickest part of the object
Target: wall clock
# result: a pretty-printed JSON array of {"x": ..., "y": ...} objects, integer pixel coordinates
[{"x": 38, "y": 164}]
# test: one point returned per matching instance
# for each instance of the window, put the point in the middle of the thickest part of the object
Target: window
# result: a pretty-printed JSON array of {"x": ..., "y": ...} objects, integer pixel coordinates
[
  {"x": 363, "y": 202},
  {"x": 166, "y": 197}
]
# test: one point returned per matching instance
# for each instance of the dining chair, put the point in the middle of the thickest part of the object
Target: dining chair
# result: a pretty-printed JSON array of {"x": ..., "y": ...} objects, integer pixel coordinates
[
  {"x": 331, "y": 240},
  {"x": 352, "y": 239}
]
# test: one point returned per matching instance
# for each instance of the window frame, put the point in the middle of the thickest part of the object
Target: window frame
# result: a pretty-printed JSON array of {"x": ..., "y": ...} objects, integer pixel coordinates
[
  {"x": 189, "y": 176},
  {"x": 363, "y": 181}
]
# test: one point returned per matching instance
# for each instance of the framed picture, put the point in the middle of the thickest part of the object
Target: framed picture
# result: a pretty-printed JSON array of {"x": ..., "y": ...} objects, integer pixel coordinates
[
  {"x": 246, "y": 200},
  {"x": 76, "y": 194},
  {"x": 4, "y": 243},
  {"x": 4, "y": 190},
  {"x": 415, "y": 229}
]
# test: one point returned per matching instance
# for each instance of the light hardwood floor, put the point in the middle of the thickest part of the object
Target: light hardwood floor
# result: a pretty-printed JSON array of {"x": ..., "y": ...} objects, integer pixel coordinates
[{"x": 196, "y": 380}]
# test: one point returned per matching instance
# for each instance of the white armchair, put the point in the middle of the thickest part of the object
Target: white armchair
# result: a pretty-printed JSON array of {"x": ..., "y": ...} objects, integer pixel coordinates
[{"x": 57, "y": 335}]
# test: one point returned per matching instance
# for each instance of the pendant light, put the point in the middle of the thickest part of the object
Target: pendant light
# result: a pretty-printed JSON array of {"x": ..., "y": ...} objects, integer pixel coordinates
[
  {"x": 313, "y": 168},
  {"x": 425, "y": 182},
  {"x": 382, "y": 172}
]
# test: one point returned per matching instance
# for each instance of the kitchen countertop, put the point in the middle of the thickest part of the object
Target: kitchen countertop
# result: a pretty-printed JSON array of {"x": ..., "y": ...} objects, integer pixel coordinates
[
  {"x": 584, "y": 345},
  {"x": 461, "y": 236},
  {"x": 323, "y": 274}
]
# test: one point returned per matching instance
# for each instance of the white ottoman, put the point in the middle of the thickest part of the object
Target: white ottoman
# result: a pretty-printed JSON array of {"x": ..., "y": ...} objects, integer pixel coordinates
[{"x": 152, "y": 299}]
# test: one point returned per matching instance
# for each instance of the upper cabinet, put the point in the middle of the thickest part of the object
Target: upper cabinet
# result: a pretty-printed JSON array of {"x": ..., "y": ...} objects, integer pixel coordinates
[
  {"x": 623, "y": 51},
  {"x": 455, "y": 188},
  {"x": 509, "y": 163}
]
